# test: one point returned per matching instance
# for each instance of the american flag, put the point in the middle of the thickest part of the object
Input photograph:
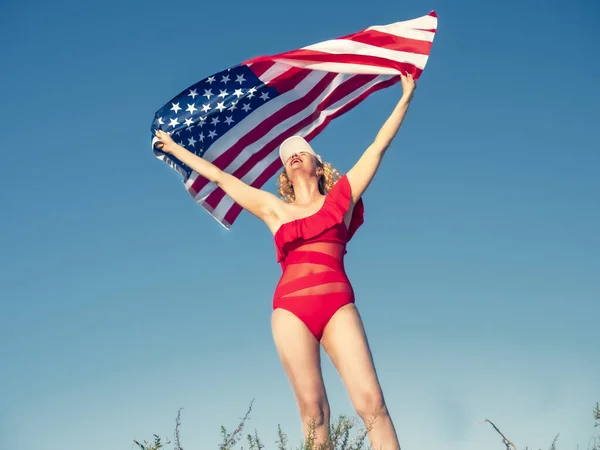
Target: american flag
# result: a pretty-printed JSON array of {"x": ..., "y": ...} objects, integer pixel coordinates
[{"x": 237, "y": 118}]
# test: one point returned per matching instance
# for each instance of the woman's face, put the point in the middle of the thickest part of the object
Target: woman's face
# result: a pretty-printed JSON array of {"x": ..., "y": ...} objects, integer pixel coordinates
[{"x": 301, "y": 162}]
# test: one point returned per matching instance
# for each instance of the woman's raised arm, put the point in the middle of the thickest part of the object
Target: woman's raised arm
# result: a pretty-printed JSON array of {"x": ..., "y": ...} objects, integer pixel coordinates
[
  {"x": 361, "y": 175},
  {"x": 260, "y": 203}
]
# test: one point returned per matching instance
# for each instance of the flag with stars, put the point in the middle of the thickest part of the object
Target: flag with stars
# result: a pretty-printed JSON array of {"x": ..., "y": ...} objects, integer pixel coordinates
[{"x": 237, "y": 118}]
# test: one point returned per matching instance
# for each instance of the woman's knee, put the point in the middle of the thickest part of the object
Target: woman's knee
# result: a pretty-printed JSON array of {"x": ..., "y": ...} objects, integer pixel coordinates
[
  {"x": 314, "y": 409},
  {"x": 370, "y": 405}
]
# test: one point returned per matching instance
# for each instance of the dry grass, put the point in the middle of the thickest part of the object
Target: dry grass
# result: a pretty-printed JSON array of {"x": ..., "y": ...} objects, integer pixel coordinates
[
  {"x": 341, "y": 437},
  {"x": 594, "y": 443}
]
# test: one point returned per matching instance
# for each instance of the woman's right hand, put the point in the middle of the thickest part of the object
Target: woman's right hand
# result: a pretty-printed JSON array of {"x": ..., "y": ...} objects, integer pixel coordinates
[{"x": 165, "y": 142}]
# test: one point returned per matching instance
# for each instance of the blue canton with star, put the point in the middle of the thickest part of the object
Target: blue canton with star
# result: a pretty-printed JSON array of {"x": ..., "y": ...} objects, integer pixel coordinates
[{"x": 198, "y": 116}]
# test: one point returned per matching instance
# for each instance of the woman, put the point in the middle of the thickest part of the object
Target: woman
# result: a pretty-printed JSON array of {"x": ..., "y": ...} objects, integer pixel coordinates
[{"x": 313, "y": 303}]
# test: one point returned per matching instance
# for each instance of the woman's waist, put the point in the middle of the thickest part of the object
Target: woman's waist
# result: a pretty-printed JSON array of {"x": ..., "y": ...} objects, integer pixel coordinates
[
  {"x": 309, "y": 258},
  {"x": 293, "y": 280}
]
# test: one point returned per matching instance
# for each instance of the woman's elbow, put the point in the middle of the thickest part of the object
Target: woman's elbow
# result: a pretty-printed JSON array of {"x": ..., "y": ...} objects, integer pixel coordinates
[
  {"x": 217, "y": 176},
  {"x": 378, "y": 148}
]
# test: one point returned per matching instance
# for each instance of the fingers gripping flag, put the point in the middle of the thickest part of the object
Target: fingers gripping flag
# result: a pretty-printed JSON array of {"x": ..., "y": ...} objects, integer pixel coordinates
[{"x": 237, "y": 118}]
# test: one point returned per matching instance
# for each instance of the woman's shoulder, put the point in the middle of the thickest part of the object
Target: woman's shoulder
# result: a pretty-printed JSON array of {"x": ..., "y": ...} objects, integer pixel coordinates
[{"x": 290, "y": 212}]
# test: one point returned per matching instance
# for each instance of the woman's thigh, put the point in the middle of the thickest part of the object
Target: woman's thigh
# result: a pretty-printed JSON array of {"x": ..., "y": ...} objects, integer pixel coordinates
[
  {"x": 346, "y": 343},
  {"x": 300, "y": 356}
]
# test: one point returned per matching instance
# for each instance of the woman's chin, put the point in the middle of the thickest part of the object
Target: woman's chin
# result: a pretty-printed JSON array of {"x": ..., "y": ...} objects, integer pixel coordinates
[{"x": 297, "y": 168}]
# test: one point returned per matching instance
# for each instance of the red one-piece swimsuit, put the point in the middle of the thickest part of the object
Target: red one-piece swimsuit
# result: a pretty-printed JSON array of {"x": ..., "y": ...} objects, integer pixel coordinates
[{"x": 313, "y": 283}]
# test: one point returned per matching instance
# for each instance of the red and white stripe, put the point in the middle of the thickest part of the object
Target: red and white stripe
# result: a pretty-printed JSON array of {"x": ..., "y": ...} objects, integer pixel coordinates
[
  {"x": 315, "y": 84},
  {"x": 385, "y": 49}
]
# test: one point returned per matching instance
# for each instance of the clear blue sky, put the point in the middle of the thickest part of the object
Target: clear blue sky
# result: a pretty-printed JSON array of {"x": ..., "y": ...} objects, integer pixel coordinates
[{"x": 477, "y": 270}]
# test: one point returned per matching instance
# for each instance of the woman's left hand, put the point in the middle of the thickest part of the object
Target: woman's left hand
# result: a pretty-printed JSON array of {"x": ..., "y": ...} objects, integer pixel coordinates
[{"x": 408, "y": 86}]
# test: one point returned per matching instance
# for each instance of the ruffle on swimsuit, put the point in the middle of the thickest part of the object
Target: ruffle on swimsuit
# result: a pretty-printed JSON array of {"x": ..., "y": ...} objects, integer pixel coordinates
[{"x": 327, "y": 224}]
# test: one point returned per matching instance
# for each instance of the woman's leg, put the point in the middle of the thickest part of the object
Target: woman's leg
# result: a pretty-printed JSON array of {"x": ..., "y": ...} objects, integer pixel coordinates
[
  {"x": 301, "y": 358},
  {"x": 346, "y": 343}
]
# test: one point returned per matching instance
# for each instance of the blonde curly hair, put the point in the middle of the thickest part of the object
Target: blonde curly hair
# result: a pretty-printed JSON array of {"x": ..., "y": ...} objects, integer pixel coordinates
[{"x": 326, "y": 182}]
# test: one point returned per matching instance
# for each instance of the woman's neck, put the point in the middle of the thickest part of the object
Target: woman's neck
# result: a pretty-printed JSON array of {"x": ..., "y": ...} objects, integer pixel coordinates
[{"x": 306, "y": 192}]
